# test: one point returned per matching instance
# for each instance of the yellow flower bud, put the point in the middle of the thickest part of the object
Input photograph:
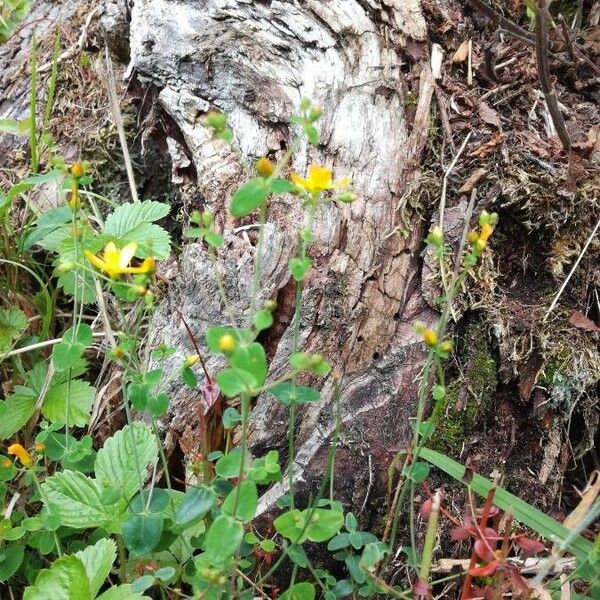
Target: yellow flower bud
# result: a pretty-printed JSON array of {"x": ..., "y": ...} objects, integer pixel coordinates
[
  {"x": 472, "y": 237},
  {"x": 430, "y": 338},
  {"x": 77, "y": 170},
  {"x": 436, "y": 235},
  {"x": 270, "y": 305},
  {"x": 20, "y": 452},
  {"x": 118, "y": 352},
  {"x": 446, "y": 346},
  {"x": 227, "y": 343},
  {"x": 265, "y": 167},
  {"x": 65, "y": 267},
  {"x": 486, "y": 231},
  {"x": 480, "y": 245},
  {"x": 39, "y": 447},
  {"x": 141, "y": 290},
  {"x": 191, "y": 360}
]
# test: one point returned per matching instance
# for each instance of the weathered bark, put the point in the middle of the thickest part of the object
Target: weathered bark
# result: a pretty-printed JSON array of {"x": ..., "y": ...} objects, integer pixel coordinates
[{"x": 255, "y": 61}]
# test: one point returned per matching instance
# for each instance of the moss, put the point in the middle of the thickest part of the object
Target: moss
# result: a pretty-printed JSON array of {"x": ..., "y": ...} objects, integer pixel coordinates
[{"x": 468, "y": 396}]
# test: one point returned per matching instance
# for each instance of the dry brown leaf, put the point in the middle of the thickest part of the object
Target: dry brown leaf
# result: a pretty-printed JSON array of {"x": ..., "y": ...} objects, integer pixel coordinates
[
  {"x": 474, "y": 178},
  {"x": 489, "y": 115},
  {"x": 579, "y": 320},
  {"x": 488, "y": 147},
  {"x": 461, "y": 54}
]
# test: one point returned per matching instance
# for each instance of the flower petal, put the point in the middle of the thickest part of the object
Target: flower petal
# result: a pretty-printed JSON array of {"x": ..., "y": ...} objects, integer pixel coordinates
[
  {"x": 126, "y": 254},
  {"x": 97, "y": 262}
]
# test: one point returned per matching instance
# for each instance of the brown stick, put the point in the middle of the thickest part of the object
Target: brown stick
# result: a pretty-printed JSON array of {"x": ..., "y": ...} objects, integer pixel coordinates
[{"x": 541, "y": 51}]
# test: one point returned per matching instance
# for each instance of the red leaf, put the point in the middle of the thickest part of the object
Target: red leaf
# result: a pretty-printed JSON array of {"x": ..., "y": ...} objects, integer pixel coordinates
[
  {"x": 483, "y": 550},
  {"x": 462, "y": 533},
  {"x": 485, "y": 570},
  {"x": 529, "y": 545}
]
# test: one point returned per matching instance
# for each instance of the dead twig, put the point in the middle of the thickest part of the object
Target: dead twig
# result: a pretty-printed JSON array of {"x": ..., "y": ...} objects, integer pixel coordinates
[{"x": 541, "y": 51}]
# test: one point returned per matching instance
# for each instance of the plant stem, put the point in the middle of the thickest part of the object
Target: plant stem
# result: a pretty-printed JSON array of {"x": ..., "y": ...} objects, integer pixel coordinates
[{"x": 430, "y": 538}]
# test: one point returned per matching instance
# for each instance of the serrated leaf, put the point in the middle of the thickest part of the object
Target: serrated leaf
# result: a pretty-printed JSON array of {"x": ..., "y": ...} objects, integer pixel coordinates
[
  {"x": 49, "y": 230},
  {"x": 13, "y": 323},
  {"x": 97, "y": 561},
  {"x": 123, "y": 460},
  {"x": 11, "y": 558},
  {"x": 249, "y": 197},
  {"x": 16, "y": 410},
  {"x": 121, "y": 592},
  {"x": 134, "y": 222},
  {"x": 66, "y": 579},
  {"x": 79, "y": 501},
  {"x": 80, "y": 395}
]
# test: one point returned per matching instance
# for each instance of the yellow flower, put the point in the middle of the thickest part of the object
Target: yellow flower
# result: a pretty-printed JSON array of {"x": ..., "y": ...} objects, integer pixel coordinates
[
  {"x": 472, "y": 236},
  {"x": 319, "y": 179},
  {"x": 114, "y": 262},
  {"x": 77, "y": 170},
  {"x": 265, "y": 167},
  {"x": 430, "y": 338},
  {"x": 20, "y": 452},
  {"x": 227, "y": 343}
]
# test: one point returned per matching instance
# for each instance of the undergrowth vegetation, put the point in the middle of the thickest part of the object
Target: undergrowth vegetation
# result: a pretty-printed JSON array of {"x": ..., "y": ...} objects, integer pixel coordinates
[{"x": 84, "y": 520}]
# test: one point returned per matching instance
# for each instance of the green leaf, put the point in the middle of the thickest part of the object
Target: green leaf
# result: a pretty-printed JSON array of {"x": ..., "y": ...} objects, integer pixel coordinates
[
  {"x": 245, "y": 496},
  {"x": 233, "y": 382},
  {"x": 263, "y": 319},
  {"x": 123, "y": 460},
  {"x": 141, "y": 533},
  {"x": 290, "y": 525},
  {"x": 231, "y": 417},
  {"x": 121, "y": 592},
  {"x": 280, "y": 186},
  {"x": 82, "y": 334},
  {"x": 251, "y": 359},
  {"x": 159, "y": 500},
  {"x": 157, "y": 405},
  {"x": 48, "y": 223},
  {"x": 97, "y": 561},
  {"x": 189, "y": 377},
  {"x": 288, "y": 393},
  {"x": 16, "y": 410},
  {"x": 248, "y": 197},
  {"x": 341, "y": 540},
  {"x": 66, "y": 579},
  {"x": 300, "y": 267},
  {"x": 299, "y": 591},
  {"x": 223, "y": 539},
  {"x": 323, "y": 524},
  {"x": 66, "y": 354},
  {"x": 520, "y": 510},
  {"x": 133, "y": 222},
  {"x": 351, "y": 522},
  {"x": 418, "y": 471},
  {"x": 371, "y": 556},
  {"x": 229, "y": 465},
  {"x": 11, "y": 558},
  {"x": 196, "y": 503},
  {"x": 298, "y": 556},
  {"x": 80, "y": 395},
  {"x": 13, "y": 323},
  {"x": 312, "y": 134},
  {"x": 79, "y": 501}
]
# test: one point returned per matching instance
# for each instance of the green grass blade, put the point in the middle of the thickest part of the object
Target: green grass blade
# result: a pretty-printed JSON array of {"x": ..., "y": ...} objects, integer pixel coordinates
[
  {"x": 522, "y": 511},
  {"x": 52, "y": 82}
]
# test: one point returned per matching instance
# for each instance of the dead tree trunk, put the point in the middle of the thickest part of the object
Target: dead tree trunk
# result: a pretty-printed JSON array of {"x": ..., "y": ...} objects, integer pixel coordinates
[{"x": 255, "y": 61}]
